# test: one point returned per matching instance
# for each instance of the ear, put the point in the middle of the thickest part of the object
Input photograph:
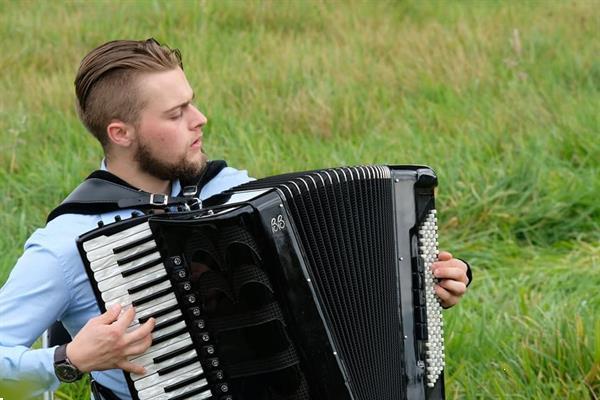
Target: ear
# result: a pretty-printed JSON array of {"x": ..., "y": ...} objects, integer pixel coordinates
[{"x": 120, "y": 133}]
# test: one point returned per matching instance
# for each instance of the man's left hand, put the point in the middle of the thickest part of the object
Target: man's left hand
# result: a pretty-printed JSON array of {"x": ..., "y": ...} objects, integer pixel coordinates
[{"x": 453, "y": 280}]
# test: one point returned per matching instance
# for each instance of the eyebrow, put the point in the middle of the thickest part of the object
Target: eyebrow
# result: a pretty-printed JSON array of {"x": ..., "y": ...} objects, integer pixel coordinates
[{"x": 185, "y": 103}]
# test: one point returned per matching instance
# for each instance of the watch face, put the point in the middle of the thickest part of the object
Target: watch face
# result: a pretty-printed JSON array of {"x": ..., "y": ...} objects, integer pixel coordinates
[{"x": 66, "y": 372}]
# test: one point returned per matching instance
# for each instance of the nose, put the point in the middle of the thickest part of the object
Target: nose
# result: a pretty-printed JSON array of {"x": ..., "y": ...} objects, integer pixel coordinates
[{"x": 198, "y": 120}]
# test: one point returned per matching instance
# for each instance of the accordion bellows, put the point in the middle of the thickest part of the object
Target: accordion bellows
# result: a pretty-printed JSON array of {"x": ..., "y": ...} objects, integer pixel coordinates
[{"x": 310, "y": 285}]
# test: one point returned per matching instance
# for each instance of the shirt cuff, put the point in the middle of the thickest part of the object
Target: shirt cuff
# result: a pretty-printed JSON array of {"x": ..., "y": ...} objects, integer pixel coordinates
[{"x": 469, "y": 272}]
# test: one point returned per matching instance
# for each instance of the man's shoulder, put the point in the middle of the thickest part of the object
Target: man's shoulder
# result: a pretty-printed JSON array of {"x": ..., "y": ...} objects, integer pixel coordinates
[
  {"x": 227, "y": 178},
  {"x": 59, "y": 235}
]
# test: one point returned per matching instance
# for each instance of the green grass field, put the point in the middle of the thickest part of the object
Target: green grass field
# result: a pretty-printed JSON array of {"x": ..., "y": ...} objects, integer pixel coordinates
[{"x": 498, "y": 97}]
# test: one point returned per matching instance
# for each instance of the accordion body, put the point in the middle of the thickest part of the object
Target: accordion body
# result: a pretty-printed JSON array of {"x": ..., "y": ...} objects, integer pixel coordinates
[{"x": 310, "y": 285}]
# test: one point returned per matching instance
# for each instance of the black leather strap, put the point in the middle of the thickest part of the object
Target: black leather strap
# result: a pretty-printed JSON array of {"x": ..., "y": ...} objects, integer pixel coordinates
[
  {"x": 104, "y": 192},
  {"x": 102, "y": 392}
]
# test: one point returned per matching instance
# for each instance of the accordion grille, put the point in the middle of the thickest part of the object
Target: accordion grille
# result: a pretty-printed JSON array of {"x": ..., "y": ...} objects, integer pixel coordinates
[{"x": 344, "y": 217}]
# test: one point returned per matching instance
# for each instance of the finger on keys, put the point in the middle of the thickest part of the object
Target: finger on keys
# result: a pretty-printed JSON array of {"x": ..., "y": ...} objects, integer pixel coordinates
[
  {"x": 140, "y": 332},
  {"x": 444, "y": 256},
  {"x": 446, "y": 297},
  {"x": 131, "y": 367},
  {"x": 110, "y": 316},
  {"x": 453, "y": 273},
  {"x": 125, "y": 319},
  {"x": 457, "y": 288},
  {"x": 137, "y": 348}
]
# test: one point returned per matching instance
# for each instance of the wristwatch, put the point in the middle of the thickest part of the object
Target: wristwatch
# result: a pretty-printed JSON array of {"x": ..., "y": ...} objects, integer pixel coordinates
[{"x": 64, "y": 370}]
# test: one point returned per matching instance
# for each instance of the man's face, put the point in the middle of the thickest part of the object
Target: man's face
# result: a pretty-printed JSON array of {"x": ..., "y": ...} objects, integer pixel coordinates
[{"x": 169, "y": 130}]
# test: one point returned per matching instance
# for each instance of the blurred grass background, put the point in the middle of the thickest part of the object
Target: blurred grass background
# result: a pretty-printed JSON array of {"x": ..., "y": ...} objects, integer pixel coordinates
[{"x": 500, "y": 98}]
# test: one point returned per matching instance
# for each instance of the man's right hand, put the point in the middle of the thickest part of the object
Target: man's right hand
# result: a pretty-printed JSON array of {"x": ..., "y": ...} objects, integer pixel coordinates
[{"x": 104, "y": 343}]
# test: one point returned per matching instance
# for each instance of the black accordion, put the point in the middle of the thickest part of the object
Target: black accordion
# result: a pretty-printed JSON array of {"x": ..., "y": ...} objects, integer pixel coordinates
[{"x": 310, "y": 285}]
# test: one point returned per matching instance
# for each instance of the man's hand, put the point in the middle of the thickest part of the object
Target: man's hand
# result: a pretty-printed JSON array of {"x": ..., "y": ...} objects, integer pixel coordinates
[
  {"x": 452, "y": 274},
  {"x": 104, "y": 343}
]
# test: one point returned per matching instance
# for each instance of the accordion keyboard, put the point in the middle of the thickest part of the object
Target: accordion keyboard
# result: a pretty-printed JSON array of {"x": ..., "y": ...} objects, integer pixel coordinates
[{"x": 130, "y": 272}]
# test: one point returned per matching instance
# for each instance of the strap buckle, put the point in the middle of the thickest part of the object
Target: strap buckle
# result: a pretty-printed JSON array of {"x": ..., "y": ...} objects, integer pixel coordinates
[
  {"x": 158, "y": 199},
  {"x": 189, "y": 191}
]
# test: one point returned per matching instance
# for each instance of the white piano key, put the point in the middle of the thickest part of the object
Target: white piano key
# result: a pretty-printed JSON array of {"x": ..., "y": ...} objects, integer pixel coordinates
[
  {"x": 168, "y": 329},
  {"x": 108, "y": 250},
  {"x": 116, "y": 237},
  {"x": 158, "y": 348},
  {"x": 168, "y": 379},
  {"x": 154, "y": 308},
  {"x": 163, "y": 318},
  {"x": 114, "y": 269},
  {"x": 111, "y": 260},
  {"x": 121, "y": 292},
  {"x": 134, "y": 280},
  {"x": 152, "y": 367},
  {"x": 158, "y": 393},
  {"x": 125, "y": 301},
  {"x": 151, "y": 353}
]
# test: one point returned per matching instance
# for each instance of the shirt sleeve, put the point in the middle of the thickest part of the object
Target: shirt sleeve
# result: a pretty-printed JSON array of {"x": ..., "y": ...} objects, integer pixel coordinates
[{"x": 34, "y": 296}]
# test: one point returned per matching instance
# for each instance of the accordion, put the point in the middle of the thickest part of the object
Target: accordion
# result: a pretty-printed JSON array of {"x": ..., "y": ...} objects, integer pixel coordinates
[{"x": 309, "y": 285}]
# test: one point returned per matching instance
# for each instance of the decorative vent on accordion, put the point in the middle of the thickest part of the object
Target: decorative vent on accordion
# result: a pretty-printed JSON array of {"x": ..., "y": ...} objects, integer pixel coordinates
[{"x": 428, "y": 248}]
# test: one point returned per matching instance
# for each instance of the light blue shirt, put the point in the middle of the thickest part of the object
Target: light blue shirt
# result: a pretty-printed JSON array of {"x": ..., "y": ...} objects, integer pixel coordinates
[{"x": 49, "y": 283}]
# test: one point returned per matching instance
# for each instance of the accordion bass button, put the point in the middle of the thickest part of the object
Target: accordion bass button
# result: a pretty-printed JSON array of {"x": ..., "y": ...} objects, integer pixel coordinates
[
  {"x": 217, "y": 375},
  {"x": 213, "y": 363},
  {"x": 221, "y": 388},
  {"x": 209, "y": 351},
  {"x": 199, "y": 323},
  {"x": 185, "y": 286},
  {"x": 190, "y": 299},
  {"x": 194, "y": 312}
]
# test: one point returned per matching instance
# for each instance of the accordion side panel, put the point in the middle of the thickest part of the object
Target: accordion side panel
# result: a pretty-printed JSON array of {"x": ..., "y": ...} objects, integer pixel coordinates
[{"x": 413, "y": 200}]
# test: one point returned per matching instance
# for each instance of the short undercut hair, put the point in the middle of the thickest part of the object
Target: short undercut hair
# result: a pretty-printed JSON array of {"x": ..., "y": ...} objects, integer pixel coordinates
[{"x": 106, "y": 82}]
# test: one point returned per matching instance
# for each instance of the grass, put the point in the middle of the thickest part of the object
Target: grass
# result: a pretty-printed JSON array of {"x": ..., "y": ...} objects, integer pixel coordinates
[{"x": 501, "y": 98}]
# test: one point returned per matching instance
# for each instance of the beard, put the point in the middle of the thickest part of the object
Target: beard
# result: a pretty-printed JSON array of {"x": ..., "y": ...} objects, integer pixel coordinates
[{"x": 181, "y": 169}]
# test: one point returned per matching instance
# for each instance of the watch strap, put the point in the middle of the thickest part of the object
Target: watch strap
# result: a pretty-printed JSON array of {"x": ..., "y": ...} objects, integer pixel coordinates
[{"x": 61, "y": 361}]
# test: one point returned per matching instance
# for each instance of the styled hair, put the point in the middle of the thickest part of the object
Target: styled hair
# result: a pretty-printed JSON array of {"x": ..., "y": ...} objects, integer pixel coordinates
[{"x": 106, "y": 82}]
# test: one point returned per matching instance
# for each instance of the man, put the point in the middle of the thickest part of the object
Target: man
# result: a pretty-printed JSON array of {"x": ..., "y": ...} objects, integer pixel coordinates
[{"x": 133, "y": 96}]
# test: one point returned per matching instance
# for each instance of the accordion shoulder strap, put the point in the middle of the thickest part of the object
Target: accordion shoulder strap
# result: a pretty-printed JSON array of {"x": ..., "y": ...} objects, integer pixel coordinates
[{"x": 104, "y": 192}]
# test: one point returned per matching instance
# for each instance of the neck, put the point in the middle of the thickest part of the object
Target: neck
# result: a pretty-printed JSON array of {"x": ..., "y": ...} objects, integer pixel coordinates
[{"x": 131, "y": 173}]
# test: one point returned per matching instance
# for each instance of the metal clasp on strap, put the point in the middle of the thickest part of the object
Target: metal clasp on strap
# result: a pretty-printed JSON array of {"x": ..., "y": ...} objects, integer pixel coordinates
[
  {"x": 158, "y": 199},
  {"x": 189, "y": 191}
]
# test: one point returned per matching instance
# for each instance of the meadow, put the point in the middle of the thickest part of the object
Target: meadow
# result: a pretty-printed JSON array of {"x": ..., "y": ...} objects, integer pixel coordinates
[{"x": 497, "y": 97}]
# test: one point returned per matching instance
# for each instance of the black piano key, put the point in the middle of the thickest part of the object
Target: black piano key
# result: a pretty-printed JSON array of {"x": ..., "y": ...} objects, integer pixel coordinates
[
  {"x": 185, "y": 382},
  {"x": 169, "y": 336},
  {"x": 191, "y": 393},
  {"x": 133, "y": 244},
  {"x": 151, "y": 297},
  {"x": 176, "y": 366},
  {"x": 172, "y": 354},
  {"x": 148, "y": 284},
  {"x": 169, "y": 322},
  {"x": 137, "y": 256},
  {"x": 141, "y": 267},
  {"x": 159, "y": 313}
]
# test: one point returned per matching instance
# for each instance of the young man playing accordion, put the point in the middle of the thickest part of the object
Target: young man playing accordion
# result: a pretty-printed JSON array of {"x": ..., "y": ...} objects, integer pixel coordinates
[{"x": 133, "y": 96}]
